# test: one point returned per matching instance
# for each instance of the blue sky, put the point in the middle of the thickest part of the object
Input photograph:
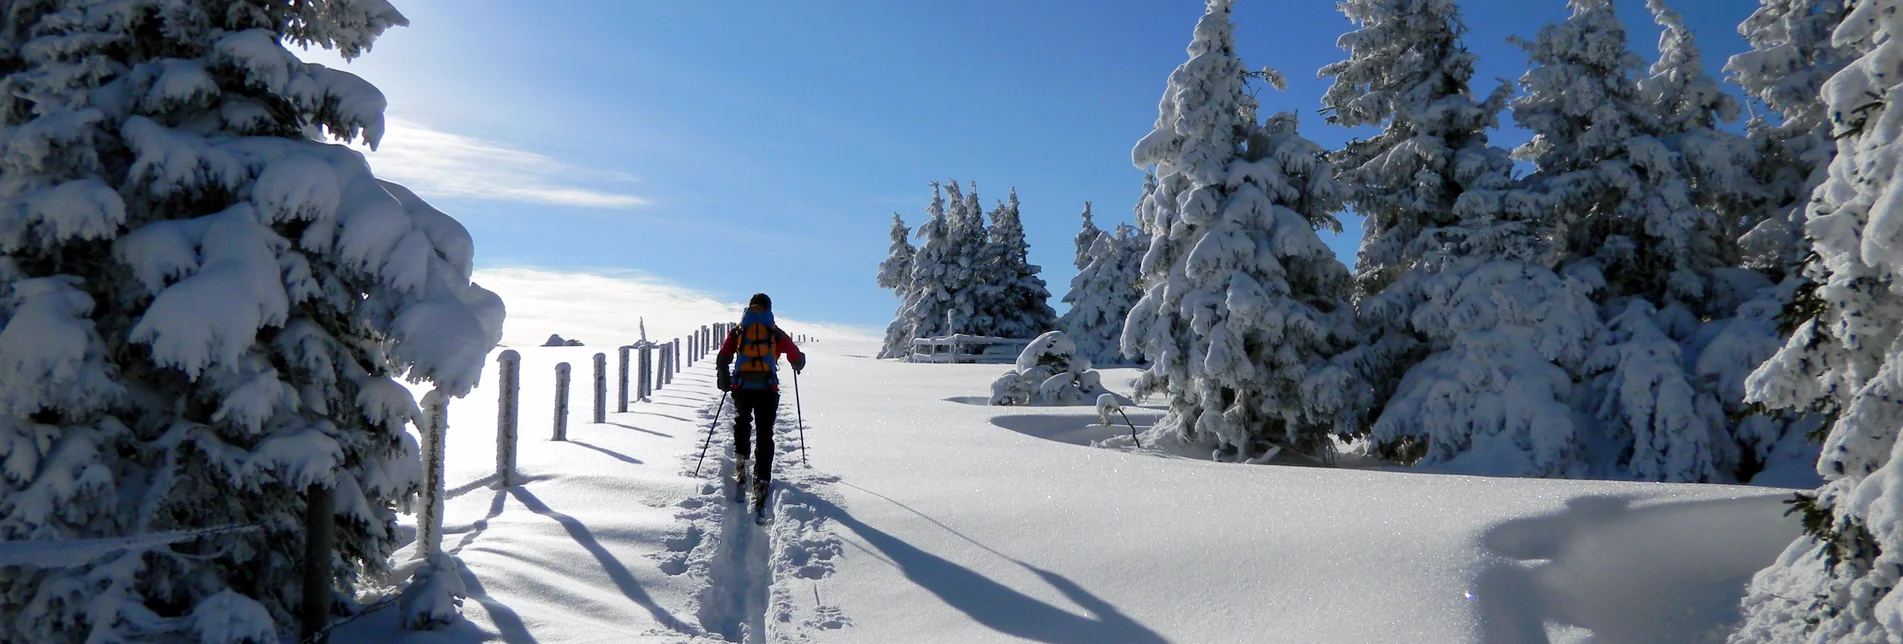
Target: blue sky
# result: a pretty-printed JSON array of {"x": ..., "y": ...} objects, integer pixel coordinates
[{"x": 763, "y": 145}]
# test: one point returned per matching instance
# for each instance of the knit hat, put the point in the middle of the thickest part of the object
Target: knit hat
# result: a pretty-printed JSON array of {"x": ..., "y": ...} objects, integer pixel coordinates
[{"x": 761, "y": 300}]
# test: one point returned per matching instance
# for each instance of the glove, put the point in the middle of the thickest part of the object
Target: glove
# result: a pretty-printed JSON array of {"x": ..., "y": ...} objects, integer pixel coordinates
[
  {"x": 799, "y": 364},
  {"x": 724, "y": 382}
]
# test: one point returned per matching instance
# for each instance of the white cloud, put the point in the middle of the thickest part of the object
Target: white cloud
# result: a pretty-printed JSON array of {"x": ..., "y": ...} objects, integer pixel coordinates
[
  {"x": 443, "y": 164},
  {"x": 606, "y": 309}
]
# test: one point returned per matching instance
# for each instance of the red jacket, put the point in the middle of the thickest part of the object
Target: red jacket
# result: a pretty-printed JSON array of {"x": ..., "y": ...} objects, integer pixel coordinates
[{"x": 783, "y": 346}]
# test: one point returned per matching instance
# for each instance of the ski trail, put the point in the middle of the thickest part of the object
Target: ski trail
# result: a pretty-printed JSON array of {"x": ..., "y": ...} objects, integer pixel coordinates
[{"x": 762, "y": 581}]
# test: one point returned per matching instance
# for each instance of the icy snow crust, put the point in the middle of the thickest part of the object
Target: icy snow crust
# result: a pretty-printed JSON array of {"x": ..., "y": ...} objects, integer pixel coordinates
[{"x": 925, "y": 520}]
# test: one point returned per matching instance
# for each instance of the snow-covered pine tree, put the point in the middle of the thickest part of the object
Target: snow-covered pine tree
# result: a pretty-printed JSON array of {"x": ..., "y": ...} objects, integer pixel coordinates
[
  {"x": 1016, "y": 299},
  {"x": 1791, "y": 56},
  {"x": 1144, "y": 217},
  {"x": 1472, "y": 344},
  {"x": 1839, "y": 582},
  {"x": 896, "y": 273},
  {"x": 1407, "y": 71},
  {"x": 1246, "y": 307},
  {"x": 1630, "y": 169},
  {"x": 1102, "y": 293},
  {"x": 965, "y": 281},
  {"x": 922, "y": 314},
  {"x": 203, "y": 311},
  {"x": 1741, "y": 303},
  {"x": 1086, "y": 238}
]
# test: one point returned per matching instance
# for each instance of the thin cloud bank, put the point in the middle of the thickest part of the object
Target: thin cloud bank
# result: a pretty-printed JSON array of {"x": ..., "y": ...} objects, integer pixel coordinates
[
  {"x": 606, "y": 309},
  {"x": 442, "y": 164}
]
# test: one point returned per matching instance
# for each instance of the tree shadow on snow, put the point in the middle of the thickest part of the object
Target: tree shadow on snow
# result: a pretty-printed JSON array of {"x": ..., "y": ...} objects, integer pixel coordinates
[
  {"x": 991, "y": 603},
  {"x": 1073, "y": 429},
  {"x": 1650, "y": 574},
  {"x": 616, "y": 571}
]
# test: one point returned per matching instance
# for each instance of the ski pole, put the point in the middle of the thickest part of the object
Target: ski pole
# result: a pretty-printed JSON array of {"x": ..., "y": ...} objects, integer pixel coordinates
[
  {"x": 800, "y": 414},
  {"x": 1133, "y": 427},
  {"x": 710, "y": 433}
]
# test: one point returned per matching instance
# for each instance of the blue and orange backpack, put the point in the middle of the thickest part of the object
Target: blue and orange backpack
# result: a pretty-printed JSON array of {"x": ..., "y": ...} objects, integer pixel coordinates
[{"x": 756, "y": 365}]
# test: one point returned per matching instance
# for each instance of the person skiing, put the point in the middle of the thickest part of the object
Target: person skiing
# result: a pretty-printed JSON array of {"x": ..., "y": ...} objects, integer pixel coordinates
[{"x": 755, "y": 384}]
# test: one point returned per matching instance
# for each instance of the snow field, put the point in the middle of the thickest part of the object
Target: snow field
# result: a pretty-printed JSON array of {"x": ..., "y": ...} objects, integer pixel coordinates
[{"x": 926, "y": 518}]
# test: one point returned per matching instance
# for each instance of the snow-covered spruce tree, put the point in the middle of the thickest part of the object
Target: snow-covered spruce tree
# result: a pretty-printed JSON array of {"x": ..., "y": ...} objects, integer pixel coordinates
[
  {"x": 1741, "y": 302},
  {"x": 1407, "y": 71},
  {"x": 203, "y": 310},
  {"x": 1246, "y": 308},
  {"x": 1838, "y": 583},
  {"x": 966, "y": 240},
  {"x": 1016, "y": 300},
  {"x": 1086, "y": 238},
  {"x": 922, "y": 314},
  {"x": 1102, "y": 293},
  {"x": 895, "y": 273},
  {"x": 1791, "y": 56},
  {"x": 1630, "y": 169},
  {"x": 1472, "y": 343}
]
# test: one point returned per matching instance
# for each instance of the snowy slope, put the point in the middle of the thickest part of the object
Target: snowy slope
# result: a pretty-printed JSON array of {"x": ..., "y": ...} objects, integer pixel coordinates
[{"x": 927, "y": 518}]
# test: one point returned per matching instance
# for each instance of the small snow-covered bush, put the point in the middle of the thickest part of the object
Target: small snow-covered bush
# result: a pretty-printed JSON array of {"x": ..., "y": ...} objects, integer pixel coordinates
[
  {"x": 1049, "y": 372},
  {"x": 435, "y": 595}
]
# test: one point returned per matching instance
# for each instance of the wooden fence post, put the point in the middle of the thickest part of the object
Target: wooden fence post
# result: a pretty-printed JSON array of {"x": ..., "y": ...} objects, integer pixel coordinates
[
  {"x": 601, "y": 388},
  {"x": 561, "y": 401},
  {"x": 621, "y": 383},
  {"x": 511, "y": 385},
  {"x": 646, "y": 381},
  {"x": 429, "y": 527},
  {"x": 661, "y": 369}
]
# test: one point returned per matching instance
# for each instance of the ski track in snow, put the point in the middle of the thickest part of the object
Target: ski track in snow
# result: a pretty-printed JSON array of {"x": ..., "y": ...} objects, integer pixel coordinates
[{"x": 758, "y": 577}]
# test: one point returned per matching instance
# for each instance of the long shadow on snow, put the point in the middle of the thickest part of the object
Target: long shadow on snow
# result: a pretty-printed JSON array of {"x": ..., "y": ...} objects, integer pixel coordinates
[
  {"x": 609, "y": 564},
  {"x": 617, "y": 455},
  {"x": 1628, "y": 575},
  {"x": 489, "y": 482},
  {"x": 508, "y": 624},
  {"x": 640, "y": 429},
  {"x": 684, "y": 420},
  {"x": 993, "y": 604}
]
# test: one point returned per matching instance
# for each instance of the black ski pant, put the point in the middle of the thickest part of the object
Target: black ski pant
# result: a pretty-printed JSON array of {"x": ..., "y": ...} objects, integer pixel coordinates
[{"x": 753, "y": 418}]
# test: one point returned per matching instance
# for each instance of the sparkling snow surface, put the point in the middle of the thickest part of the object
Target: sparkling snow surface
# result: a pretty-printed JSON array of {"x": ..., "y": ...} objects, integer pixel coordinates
[{"x": 927, "y": 518}]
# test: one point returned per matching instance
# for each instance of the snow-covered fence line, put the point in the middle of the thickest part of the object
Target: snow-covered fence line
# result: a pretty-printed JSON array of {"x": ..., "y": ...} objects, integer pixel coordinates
[
  {"x": 967, "y": 349},
  {"x": 644, "y": 367}
]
